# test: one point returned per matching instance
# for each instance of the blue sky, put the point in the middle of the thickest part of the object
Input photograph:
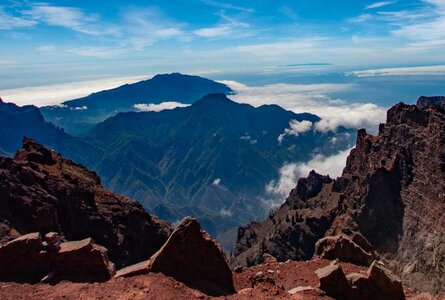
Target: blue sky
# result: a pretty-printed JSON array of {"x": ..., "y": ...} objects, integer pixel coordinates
[{"x": 46, "y": 42}]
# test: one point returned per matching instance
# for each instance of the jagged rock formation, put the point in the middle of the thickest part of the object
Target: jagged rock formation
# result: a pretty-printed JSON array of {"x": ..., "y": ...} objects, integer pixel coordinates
[
  {"x": 192, "y": 257},
  {"x": 391, "y": 191},
  {"x": 41, "y": 192}
]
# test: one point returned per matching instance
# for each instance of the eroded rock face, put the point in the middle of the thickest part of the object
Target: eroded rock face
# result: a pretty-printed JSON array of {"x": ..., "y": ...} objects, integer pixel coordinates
[
  {"x": 191, "y": 256},
  {"x": 392, "y": 191},
  {"x": 42, "y": 192}
]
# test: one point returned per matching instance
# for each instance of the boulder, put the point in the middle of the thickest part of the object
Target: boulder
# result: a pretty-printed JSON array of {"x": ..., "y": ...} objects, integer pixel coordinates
[
  {"x": 18, "y": 257},
  {"x": 386, "y": 284},
  {"x": 83, "y": 261},
  {"x": 192, "y": 257},
  {"x": 133, "y": 270},
  {"x": 344, "y": 249},
  {"x": 24, "y": 245},
  {"x": 333, "y": 281}
]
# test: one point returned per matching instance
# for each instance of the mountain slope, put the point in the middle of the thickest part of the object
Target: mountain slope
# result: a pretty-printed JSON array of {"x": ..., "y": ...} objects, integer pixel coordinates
[
  {"x": 41, "y": 191},
  {"x": 212, "y": 159},
  {"x": 79, "y": 115},
  {"x": 17, "y": 122},
  {"x": 391, "y": 191}
]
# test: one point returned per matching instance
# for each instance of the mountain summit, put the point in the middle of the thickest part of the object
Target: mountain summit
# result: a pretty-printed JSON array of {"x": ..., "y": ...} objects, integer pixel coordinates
[{"x": 79, "y": 115}]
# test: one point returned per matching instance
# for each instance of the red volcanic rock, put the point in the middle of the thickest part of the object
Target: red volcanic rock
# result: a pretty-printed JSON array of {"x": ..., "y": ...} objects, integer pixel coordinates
[
  {"x": 26, "y": 259},
  {"x": 333, "y": 280},
  {"x": 83, "y": 261},
  {"x": 42, "y": 192},
  {"x": 392, "y": 191},
  {"x": 344, "y": 249},
  {"x": 191, "y": 256},
  {"x": 17, "y": 256}
]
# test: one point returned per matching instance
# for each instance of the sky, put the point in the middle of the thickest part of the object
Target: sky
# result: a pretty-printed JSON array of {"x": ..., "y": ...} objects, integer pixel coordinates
[{"x": 61, "y": 41}]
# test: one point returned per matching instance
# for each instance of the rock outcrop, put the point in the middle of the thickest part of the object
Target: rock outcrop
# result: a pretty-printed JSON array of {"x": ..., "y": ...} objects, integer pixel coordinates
[
  {"x": 42, "y": 192},
  {"x": 392, "y": 191},
  {"x": 345, "y": 249},
  {"x": 377, "y": 283},
  {"x": 25, "y": 259},
  {"x": 192, "y": 257}
]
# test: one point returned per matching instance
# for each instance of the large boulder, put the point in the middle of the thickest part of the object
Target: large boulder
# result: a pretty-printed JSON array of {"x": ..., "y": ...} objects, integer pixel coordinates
[
  {"x": 192, "y": 257},
  {"x": 344, "y": 248},
  {"x": 333, "y": 281},
  {"x": 29, "y": 259},
  {"x": 83, "y": 261},
  {"x": 385, "y": 284},
  {"x": 17, "y": 257},
  {"x": 377, "y": 283}
]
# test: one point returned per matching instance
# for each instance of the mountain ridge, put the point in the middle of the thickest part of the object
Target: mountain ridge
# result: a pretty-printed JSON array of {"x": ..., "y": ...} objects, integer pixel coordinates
[{"x": 391, "y": 192}]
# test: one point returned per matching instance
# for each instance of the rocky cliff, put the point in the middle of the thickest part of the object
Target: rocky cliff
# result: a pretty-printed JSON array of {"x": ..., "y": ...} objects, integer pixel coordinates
[
  {"x": 40, "y": 191},
  {"x": 392, "y": 191}
]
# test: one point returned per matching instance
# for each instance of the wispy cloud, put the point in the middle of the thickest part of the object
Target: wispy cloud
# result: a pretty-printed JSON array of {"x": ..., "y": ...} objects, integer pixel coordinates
[
  {"x": 406, "y": 71},
  {"x": 379, "y": 4},
  {"x": 8, "y": 21},
  {"x": 69, "y": 17},
  {"x": 296, "y": 46},
  {"x": 227, "y": 27},
  {"x": 145, "y": 26},
  {"x": 225, "y": 5},
  {"x": 361, "y": 18}
]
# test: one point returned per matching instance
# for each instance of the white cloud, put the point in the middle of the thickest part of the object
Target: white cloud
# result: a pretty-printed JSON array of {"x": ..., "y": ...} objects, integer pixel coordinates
[
  {"x": 216, "y": 182},
  {"x": 379, "y": 4},
  {"x": 228, "y": 27},
  {"x": 57, "y": 93},
  {"x": 69, "y": 17},
  {"x": 8, "y": 21},
  {"x": 226, "y": 5},
  {"x": 225, "y": 213},
  {"x": 145, "y": 26},
  {"x": 160, "y": 106},
  {"x": 290, "y": 173},
  {"x": 406, "y": 71},
  {"x": 295, "y": 128},
  {"x": 91, "y": 51},
  {"x": 361, "y": 18},
  {"x": 282, "y": 48},
  {"x": 313, "y": 98}
]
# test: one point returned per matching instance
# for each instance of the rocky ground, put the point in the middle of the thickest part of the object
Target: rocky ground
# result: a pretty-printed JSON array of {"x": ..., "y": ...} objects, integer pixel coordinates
[{"x": 279, "y": 279}]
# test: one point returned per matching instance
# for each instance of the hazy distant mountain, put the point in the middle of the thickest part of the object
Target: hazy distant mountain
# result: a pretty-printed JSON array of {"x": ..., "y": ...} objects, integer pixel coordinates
[
  {"x": 212, "y": 159},
  {"x": 80, "y": 115},
  {"x": 17, "y": 122}
]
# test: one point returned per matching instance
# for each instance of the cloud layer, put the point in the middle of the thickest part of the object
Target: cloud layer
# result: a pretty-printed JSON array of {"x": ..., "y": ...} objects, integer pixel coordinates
[
  {"x": 160, "y": 106},
  {"x": 313, "y": 98},
  {"x": 290, "y": 173}
]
